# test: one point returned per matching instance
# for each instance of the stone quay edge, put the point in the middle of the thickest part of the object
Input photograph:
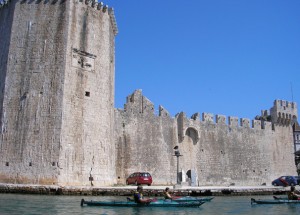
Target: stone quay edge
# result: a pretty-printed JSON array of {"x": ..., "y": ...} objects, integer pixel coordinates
[{"x": 148, "y": 190}]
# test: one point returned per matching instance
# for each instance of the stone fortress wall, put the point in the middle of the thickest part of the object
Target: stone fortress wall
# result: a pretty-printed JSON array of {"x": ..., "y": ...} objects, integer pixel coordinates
[
  {"x": 220, "y": 153},
  {"x": 57, "y": 92},
  {"x": 59, "y": 125}
]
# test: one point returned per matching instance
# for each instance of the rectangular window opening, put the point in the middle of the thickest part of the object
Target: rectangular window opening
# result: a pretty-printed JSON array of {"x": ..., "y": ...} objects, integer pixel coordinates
[{"x": 87, "y": 94}]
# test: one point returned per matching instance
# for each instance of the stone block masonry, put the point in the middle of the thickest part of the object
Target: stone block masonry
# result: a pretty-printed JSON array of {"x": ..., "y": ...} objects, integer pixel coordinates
[
  {"x": 220, "y": 153},
  {"x": 57, "y": 92},
  {"x": 148, "y": 191}
]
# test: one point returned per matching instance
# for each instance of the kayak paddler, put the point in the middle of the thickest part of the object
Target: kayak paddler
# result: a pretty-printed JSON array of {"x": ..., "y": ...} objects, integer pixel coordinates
[{"x": 138, "y": 196}]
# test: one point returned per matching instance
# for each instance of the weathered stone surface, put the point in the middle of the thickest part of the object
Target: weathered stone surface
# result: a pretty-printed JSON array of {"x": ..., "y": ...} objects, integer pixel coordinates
[
  {"x": 57, "y": 93},
  {"x": 220, "y": 154}
]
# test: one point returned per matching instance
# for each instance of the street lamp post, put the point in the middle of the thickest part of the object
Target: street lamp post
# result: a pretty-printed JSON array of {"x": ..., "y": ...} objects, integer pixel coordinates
[{"x": 177, "y": 154}]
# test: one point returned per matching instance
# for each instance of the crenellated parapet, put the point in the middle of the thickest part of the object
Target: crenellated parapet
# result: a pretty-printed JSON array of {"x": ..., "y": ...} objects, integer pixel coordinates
[
  {"x": 282, "y": 113},
  {"x": 52, "y": 2},
  {"x": 91, "y": 3},
  {"x": 211, "y": 122},
  {"x": 139, "y": 104},
  {"x": 105, "y": 9},
  {"x": 230, "y": 121}
]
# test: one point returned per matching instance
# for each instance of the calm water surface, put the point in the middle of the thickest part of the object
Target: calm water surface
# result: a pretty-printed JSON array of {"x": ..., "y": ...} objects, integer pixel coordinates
[{"x": 15, "y": 204}]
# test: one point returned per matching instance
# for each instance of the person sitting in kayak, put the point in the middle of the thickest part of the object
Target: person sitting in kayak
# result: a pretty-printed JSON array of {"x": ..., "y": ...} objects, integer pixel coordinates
[
  {"x": 167, "y": 194},
  {"x": 138, "y": 196},
  {"x": 292, "y": 195}
]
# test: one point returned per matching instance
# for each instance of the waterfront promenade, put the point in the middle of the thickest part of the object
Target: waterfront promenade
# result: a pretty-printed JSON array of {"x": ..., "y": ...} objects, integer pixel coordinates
[{"x": 120, "y": 190}]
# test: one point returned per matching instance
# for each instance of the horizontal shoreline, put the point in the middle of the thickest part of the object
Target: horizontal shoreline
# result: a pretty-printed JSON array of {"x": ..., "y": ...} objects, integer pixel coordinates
[{"x": 148, "y": 190}]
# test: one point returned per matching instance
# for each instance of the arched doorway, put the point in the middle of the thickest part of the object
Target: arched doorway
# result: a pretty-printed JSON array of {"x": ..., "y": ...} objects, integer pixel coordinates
[{"x": 189, "y": 150}]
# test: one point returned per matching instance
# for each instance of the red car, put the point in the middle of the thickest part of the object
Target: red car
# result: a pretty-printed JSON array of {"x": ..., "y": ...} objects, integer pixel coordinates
[{"x": 138, "y": 178}]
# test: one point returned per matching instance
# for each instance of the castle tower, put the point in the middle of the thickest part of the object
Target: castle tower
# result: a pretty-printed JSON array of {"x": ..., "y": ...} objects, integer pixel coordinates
[
  {"x": 284, "y": 112},
  {"x": 57, "y": 92}
]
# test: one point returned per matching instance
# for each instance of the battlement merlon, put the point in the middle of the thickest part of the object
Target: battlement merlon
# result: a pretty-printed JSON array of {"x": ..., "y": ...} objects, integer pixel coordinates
[
  {"x": 137, "y": 103},
  {"x": 163, "y": 111},
  {"x": 207, "y": 117},
  {"x": 220, "y": 119}
]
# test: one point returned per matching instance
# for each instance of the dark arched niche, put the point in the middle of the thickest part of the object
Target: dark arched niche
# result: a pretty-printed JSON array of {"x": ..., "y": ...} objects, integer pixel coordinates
[{"x": 193, "y": 134}]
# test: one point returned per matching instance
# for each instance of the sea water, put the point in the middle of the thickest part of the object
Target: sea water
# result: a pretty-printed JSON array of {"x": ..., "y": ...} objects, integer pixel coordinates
[{"x": 18, "y": 204}]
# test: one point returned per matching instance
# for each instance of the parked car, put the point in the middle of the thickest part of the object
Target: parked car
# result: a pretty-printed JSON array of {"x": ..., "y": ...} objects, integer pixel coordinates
[
  {"x": 138, "y": 178},
  {"x": 285, "y": 181}
]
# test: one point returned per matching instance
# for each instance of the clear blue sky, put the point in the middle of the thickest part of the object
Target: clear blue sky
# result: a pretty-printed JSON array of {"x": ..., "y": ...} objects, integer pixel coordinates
[{"x": 230, "y": 57}]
